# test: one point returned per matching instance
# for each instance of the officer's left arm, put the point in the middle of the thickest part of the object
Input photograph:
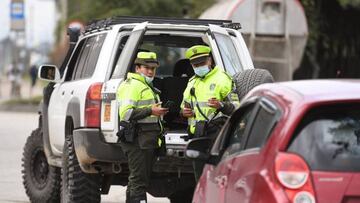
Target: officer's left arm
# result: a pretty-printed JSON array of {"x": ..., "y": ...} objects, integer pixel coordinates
[
  {"x": 140, "y": 113},
  {"x": 225, "y": 93}
]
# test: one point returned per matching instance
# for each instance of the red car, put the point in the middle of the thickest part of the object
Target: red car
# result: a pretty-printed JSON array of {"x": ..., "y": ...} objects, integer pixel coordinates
[{"x": 288, "y": 142}]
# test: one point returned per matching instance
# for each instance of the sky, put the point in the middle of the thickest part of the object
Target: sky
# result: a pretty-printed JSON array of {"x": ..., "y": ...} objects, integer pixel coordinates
[{"x": 40, "y": 18}]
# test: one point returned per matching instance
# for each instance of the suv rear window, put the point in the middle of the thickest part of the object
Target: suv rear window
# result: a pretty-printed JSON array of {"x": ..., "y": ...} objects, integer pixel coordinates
[
  {"x": 329, "y": 138},
  {"x": 228, "y": 52},
  {"x": 167, "y": 56}
]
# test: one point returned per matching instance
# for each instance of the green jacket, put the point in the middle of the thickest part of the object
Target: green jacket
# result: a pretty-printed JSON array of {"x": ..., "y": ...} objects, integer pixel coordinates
[
  {"x": 216, "y": 84},
  {"x": 135, "y": 98}
]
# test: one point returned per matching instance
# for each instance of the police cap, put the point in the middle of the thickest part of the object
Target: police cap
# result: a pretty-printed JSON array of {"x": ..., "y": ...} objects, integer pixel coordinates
[
  {"x": 147, "y": 59},
  {"x": 198, "y": 53}
]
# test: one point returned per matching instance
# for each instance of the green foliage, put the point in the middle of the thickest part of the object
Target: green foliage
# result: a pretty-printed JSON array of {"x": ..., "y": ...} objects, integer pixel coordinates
[
  {"x": 86, "y": 10},
  {"x": 333, "y": 46},
  {"x": 350, "y": 3}
]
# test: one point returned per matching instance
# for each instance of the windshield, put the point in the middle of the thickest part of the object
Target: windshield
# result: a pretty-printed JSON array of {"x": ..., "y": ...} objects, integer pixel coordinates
[{"x": 330, "y": 139}]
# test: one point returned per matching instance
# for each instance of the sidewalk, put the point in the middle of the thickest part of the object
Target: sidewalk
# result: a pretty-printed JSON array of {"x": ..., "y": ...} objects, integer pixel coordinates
[
  {"x": 5, "y": 88},
  {"x": 26, "y": 93}
]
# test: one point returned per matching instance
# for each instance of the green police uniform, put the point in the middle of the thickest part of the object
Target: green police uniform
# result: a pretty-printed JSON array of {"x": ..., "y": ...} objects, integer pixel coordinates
[
  {"x": 135, "y": 98},
  {"x": 214, "y": 84}
]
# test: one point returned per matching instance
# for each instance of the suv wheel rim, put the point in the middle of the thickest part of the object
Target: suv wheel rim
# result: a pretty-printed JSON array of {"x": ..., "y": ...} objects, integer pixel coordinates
[{"x": 40, "y": 168}]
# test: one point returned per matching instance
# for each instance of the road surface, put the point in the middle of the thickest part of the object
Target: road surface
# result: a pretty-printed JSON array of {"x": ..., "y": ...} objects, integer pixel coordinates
[{"x": 14, "y": 129}]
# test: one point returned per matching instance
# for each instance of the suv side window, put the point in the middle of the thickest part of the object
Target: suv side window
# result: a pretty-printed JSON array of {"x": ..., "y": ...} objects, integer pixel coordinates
[
  {"x": 82, "y": 59},
  {"x": 97, "y": 42},
  {"x": 264, "y": 122},
  {"x": 73, "y": 61},
  {"x": 85, "y": 66},
  {"x": 239, "y": 129}
]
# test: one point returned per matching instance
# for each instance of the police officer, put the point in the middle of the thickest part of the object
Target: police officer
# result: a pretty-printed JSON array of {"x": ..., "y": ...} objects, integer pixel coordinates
[
  {"x": 207, "y": 98},
  {"x": 140, "y": 124}
]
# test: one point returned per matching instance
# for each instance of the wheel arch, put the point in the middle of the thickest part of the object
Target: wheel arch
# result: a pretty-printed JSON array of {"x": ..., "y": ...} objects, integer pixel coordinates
[{"x": 73, "y": 113}]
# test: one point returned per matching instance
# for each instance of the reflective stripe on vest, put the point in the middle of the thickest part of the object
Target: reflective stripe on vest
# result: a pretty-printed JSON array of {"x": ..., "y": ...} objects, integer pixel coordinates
[
  {"x": 137, "y": 103},
  {"x": 150, "y": 119},
  {"x": 135, "y": 93}
]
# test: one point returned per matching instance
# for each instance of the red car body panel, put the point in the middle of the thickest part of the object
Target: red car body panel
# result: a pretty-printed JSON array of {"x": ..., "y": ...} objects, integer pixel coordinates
[
  {"x": 250, "y": 176},
  {"x": 336, "y": 186}
]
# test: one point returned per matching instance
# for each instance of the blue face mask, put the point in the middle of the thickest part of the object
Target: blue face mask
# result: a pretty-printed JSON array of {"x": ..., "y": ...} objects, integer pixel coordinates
[
  {"x": 201, "y": 71},
  {"x": 148, "y": 79}
]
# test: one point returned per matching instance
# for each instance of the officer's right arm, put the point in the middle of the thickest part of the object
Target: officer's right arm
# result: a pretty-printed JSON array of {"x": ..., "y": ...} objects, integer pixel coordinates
[
  {"x": 127, "y": 97},
  {"x": 185, "y": 106}
]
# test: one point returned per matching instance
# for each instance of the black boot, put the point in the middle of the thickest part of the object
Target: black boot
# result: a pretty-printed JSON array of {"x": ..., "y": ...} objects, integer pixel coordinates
[{"x": 138, "y": 199}]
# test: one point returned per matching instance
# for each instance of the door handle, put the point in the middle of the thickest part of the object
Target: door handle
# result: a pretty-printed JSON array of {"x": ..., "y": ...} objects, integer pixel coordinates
[
  {"x": 63, "y": 92},
  {"x": 72, "y": 92}
]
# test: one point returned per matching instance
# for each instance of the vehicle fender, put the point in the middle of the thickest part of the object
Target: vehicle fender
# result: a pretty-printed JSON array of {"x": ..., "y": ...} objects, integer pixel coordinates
[
  {"x": 73, "y": 111},
  {"x": 265, "y": 190}
]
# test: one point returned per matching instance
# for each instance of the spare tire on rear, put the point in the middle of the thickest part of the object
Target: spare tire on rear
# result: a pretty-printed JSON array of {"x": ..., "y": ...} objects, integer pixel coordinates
[{"x": 248, "y": 79}]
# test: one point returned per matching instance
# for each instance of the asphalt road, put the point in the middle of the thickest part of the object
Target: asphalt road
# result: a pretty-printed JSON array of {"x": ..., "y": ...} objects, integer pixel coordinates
[{"x": 14, "y": 129}]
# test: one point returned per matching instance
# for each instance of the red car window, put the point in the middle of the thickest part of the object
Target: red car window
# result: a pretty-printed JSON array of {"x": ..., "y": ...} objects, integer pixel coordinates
[
  {"x": 237, "y": 133},
  {"x": 329, "y": 138},
  {"x": 264, "y": 122}
]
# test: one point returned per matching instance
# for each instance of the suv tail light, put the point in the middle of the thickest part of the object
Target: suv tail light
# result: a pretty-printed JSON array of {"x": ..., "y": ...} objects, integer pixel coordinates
[
  {"x": 294, "y": 175},
  {"x": 93, "y": 106}
]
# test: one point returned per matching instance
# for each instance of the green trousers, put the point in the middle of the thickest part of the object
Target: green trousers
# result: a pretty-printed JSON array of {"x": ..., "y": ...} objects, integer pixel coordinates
[{"x": 140, "y": 163}]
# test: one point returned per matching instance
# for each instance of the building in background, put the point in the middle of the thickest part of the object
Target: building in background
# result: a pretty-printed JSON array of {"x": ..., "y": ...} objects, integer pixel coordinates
[{"x": 38, "y": 35}]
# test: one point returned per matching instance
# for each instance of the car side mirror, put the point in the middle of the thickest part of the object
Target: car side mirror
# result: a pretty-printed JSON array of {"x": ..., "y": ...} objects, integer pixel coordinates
[
  {"x": 198, "y": 150},
  {"x": 49, "y": 73}
]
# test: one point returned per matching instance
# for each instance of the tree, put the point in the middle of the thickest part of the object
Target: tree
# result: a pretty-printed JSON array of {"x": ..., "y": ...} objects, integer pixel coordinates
[
  {"x": 86, "y": 10},
  {"x": 334, "y": 41}
]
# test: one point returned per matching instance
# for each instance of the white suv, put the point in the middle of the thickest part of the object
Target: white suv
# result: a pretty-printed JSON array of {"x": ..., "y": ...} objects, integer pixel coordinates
[{"x": 79, "y": 115}]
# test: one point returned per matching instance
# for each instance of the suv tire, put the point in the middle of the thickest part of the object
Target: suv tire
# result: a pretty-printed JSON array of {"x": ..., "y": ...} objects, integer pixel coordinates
[
  {"x": 41, "y": 181},
  {"x": 248, "y": 79},
  {"x": 77, "y": 186}
]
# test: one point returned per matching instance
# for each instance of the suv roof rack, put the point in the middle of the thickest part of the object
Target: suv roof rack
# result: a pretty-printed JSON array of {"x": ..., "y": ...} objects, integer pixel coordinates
[{"x": 105, "y": 23}]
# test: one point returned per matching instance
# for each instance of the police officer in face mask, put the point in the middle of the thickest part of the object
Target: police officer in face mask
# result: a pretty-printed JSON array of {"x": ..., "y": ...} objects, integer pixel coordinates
[
  {"x": 140, "y": 128},
  {"x": 207, "y": 98}
]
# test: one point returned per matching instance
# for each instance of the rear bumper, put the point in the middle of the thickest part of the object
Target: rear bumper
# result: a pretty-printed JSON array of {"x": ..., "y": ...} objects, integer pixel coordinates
[{"x": 90, "y": 148}]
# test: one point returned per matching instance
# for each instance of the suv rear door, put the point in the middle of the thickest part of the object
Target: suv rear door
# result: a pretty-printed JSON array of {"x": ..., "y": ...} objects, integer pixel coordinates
[{"x": 109, "y": 107}]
